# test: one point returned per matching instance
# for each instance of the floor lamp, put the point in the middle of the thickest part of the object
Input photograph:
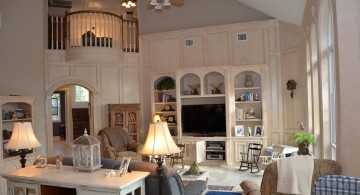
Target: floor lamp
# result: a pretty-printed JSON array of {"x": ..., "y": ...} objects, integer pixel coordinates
[
  {"x": 159, "y": 142},
  {"x": 22, "y": 138}
]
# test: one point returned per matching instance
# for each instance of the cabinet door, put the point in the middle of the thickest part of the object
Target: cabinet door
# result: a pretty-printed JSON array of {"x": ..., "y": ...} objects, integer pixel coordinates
[
  {"x": 118, "y": 119},
  {"x": 200, "y": 151},
  {"x": 19, "y": 188}
]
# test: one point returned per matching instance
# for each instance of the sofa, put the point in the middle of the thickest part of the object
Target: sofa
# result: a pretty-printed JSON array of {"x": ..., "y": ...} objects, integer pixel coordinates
[
  {"x": 268, "y": 186},
  {"x": 172, "y": 182},
  {"x": 116, "y": 144}
]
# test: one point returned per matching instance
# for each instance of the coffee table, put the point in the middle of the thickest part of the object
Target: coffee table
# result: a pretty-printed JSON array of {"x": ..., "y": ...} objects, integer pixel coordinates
[{"x": 185, "y": 175}]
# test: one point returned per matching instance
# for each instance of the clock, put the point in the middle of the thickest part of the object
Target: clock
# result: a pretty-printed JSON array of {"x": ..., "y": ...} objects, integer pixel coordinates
[{"x": 167, "y": 107}]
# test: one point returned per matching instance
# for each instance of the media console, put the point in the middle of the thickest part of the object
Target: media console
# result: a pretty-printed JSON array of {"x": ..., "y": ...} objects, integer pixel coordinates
[{"x": 215, "y": 150}]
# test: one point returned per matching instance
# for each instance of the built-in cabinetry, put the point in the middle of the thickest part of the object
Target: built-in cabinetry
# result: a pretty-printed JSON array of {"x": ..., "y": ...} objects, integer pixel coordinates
[
  {"x": 238, "y": 94},
  {"x": 127, "y": 116},
  {"x": 248, "y": 103},
  {"x": 164, "y": 101},
  {"x": 13, "y": 109}
]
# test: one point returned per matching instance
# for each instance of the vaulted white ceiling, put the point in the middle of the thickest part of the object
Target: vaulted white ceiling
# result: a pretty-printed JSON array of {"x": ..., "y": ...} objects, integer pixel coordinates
[{"x": 291, "y": 11}]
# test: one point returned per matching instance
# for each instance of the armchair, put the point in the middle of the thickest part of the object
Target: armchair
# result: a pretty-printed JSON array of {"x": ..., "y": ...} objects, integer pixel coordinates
[
  {"x": 322, "y": 167},
  {"x": 116, "y": 144}
]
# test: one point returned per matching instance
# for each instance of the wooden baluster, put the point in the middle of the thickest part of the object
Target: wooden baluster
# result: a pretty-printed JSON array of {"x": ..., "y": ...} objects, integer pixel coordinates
[
  {"x": 61, "y": 33},
  {"x": 52, "y": 33}
]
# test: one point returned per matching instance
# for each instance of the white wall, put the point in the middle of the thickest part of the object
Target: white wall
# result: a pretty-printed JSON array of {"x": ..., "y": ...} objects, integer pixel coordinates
[
  {"x": 348, "y": 23},
  {"x": 195, "y": 13},
  {"x": 22, "y": 43}
]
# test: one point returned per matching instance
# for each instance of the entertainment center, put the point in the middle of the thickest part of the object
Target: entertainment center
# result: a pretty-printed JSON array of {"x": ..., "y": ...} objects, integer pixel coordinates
[{"x": 208, "y": 104}]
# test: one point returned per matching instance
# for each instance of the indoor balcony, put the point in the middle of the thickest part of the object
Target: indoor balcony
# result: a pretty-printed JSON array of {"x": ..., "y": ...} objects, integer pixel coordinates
[{"x": 93, "y": 36}]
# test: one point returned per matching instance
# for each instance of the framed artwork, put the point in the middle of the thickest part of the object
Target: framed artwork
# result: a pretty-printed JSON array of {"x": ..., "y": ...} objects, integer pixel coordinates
[
  {"x": 259, "y": 130},
  {"x": 239, "y": 130},
  {"x": 124, "y": 165}
]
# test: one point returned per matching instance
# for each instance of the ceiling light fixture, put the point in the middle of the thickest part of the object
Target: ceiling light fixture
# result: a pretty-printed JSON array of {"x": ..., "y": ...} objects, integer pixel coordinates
[
  {"x": 158, "y": 5},
  {"x": 129, "y": 3}
]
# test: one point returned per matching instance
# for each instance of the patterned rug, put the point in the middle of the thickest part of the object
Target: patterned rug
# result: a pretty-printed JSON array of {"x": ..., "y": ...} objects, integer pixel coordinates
[{"x": 220, "y": 188}]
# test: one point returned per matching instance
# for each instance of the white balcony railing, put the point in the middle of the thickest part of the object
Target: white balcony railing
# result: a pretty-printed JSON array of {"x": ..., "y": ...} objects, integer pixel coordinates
[{"x": 93, "y": 29}]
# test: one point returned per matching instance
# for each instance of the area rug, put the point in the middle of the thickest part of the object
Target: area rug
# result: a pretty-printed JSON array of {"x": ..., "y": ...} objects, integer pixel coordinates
[
  {"x": 220, "y": 188},
  {"x": 222, "y": 193}
]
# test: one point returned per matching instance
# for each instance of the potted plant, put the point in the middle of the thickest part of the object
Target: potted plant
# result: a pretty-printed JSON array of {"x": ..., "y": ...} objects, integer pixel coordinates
[
  {"x": 303, "y": 139},
  {"x": 166, "y": 83}
]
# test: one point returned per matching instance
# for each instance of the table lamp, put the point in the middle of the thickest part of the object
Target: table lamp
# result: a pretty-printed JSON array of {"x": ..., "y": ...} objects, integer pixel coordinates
[
  {"x": 22, "y": 138},
  {"x": 159, "y": 142}
]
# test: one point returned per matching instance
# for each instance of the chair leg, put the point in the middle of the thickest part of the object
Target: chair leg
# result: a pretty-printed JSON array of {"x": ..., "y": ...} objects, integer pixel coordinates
[
  {"x": 182, "y": 163},
  {"x": 241, "y": 166}
]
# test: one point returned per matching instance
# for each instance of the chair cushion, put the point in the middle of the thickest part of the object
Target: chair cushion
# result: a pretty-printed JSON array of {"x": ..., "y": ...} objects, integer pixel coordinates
[
  {"x": 135, "y": 157},
  {"x": 337, "y": 184},
  {"x": 250, "y": 187},
  {"x": 118, "y": 137},
  {"x": 110, "y": 163}
]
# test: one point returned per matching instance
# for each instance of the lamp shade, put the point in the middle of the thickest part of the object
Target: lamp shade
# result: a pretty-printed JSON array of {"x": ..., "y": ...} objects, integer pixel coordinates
[
  {"x": 22, "y": 137},
  {"x": 159, "y": 140}
]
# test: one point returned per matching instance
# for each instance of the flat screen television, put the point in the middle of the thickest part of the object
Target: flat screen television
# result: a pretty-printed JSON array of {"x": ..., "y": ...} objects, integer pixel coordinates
[{"x": 205, "y": 120}]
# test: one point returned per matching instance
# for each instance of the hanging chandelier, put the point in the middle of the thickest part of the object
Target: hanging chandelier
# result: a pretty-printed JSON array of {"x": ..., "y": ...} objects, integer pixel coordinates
[
  {"x": 129, "y": 3},
  {"x": 158, "y": 5}
]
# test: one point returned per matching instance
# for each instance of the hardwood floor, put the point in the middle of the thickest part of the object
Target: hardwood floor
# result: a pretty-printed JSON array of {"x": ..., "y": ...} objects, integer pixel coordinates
[{"x": 219, "y": 175}]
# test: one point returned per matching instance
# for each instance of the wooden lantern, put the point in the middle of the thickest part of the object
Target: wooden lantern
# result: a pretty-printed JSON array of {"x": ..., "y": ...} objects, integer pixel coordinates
[{"x": 86, "y": 153}]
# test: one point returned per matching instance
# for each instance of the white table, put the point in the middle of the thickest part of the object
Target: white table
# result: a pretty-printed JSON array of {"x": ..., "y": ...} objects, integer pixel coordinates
[
  {"x": 46, "y": 180},
  {"x": 203, "y": 176},
  {"x": 287, "y": 150}
]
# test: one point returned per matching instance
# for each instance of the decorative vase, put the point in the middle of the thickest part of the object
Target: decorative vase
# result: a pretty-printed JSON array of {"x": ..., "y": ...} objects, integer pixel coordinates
[
  {"x": 248, "y": 81},
  {"x": 303, "y": 149}
]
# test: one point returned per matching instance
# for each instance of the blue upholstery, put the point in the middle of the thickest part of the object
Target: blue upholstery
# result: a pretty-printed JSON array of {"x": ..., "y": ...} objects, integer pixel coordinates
[
  {"x": 172, "y": 183},
  {"x": 337, "y": 184}
]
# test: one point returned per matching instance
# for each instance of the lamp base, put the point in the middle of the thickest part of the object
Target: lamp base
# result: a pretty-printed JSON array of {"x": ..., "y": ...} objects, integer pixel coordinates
[
  {"x": 160, "y": 171},
  {"x": 22, "y": 153}
]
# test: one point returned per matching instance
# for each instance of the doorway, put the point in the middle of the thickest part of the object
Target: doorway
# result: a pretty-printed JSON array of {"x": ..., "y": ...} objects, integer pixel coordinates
[{"x": 71, "y": 115}]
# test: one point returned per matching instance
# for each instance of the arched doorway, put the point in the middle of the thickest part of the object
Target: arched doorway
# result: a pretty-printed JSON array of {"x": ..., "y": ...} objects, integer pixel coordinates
[{"x": 67, "y": 87}]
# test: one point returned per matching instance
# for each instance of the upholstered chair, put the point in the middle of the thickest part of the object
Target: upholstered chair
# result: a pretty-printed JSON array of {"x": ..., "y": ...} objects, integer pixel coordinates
[
  {"x": 116, "y": 144},
  {"x": 268, "y": 186}
]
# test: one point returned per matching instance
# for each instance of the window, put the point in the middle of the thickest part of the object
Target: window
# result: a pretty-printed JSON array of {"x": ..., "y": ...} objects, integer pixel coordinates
[
  {"x": 55, "y": 102},
  {"x": 81, "y": 94},
  {"x": 332, "y": 86},
  {"x": 321, "y": 80}
]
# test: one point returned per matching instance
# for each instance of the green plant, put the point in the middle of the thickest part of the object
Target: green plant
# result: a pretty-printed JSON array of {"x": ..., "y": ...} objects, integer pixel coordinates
[
  {"x": 165, "y": 83},
  {"x": 303, "y": 137}
]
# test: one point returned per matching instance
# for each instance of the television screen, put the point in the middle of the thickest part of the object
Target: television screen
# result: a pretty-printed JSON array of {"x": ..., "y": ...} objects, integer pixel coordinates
[{"x": 203, "y": 120}]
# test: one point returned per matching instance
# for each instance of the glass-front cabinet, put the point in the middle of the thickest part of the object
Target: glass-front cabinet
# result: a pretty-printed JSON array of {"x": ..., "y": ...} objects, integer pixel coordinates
[{"x": 127, "y": 116}]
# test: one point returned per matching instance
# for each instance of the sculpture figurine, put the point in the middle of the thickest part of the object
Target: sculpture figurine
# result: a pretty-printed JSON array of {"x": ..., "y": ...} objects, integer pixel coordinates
[{"x": 250, "y": 131}]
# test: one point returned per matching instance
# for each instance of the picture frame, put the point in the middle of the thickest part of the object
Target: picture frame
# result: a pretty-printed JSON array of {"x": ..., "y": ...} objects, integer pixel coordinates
[
  {"x": 124, "y": 165},
  {"x": 239, "y": 130},
  {"x": 259, "y": 130},
  {"x": 171, "y": 120}
]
